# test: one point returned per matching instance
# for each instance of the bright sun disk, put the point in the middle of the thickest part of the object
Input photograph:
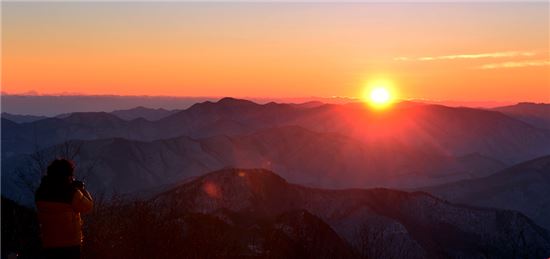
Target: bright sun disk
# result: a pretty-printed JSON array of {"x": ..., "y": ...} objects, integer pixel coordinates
[{"x": 380, "y": 95}]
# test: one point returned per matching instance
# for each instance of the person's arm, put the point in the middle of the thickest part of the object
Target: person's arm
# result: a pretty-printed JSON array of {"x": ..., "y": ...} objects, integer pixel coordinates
[
  {"x": 86, "y": 194},
  {"x": 82, "y": 201}
]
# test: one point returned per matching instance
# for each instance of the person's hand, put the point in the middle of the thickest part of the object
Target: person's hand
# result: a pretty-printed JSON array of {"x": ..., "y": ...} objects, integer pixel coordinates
[{"x": 78, "y": 184}]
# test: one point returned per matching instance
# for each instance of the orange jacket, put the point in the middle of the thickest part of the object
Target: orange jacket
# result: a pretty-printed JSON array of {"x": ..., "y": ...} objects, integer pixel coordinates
[{"x": 60, "y": 222}]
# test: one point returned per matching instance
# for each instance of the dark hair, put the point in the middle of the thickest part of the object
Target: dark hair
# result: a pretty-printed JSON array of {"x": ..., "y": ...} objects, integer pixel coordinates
[
  {"x": 61, "y": 168},
  {"x": 56, "y": 185}
]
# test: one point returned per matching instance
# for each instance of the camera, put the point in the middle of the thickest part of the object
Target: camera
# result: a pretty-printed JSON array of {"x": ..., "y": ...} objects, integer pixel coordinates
[{"x": 78, "y": 184}]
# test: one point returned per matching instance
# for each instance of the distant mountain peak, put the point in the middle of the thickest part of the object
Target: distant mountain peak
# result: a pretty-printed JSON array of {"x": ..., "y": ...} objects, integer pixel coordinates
[
  {"x": 224, "y": 103},
  {"x": 20, "y": 118},
  {"x": 524, "y": 105},
  {"x": 531, "y": 103},
  {"x": 79, "y": 116},
  {"x": 150, "y": 114},
  {"x": 535, "y": 114},
  {"x": 143, "y": 108},
  {"x": 234, "y": 101},
  {"x": 232, "y": 188}
]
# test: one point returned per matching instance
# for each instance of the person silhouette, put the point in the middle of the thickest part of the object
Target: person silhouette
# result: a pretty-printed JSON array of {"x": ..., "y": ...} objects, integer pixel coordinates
[{"x": 60, "y": 200}]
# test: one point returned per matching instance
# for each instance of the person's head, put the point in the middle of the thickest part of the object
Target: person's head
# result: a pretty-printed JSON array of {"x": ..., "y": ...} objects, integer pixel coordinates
[{"x": 61, "y": 169}]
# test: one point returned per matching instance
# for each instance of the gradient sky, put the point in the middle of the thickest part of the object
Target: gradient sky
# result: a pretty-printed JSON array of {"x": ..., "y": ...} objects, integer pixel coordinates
[{"x": 445, "y": 51}]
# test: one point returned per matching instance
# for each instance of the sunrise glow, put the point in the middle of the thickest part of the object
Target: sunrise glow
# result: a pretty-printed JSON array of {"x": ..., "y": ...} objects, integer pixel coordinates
[
  {"x": 283, "y": 49},
  {"x": 275, "y": 128}
]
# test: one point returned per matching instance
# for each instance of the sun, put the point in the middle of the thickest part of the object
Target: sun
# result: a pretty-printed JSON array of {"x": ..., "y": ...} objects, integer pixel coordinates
[{"x": 379, "y": 94}]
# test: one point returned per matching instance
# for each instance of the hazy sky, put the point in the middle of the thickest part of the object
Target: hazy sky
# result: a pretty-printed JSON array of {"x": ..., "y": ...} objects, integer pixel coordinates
[{"x": 449, "y": 51}]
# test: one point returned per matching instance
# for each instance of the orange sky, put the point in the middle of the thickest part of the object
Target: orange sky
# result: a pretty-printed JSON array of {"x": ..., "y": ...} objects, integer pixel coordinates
[{"x": 448, "y": 51}]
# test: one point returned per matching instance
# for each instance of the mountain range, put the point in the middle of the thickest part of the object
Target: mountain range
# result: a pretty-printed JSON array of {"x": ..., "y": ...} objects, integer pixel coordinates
[
  {"x": 323, "y": 145},
  {"x": 317, "y": 159},
  {"x": 453, "y": 131},
  {"x": 477, "y": 179}
]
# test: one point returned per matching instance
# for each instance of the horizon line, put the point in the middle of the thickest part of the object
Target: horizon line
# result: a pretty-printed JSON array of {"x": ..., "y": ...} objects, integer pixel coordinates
[
  {"x": 265, "y": 98},
  {"x": 292, "y": 1}
]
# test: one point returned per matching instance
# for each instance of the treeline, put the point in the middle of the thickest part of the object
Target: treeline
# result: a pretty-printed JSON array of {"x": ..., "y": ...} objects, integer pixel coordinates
[{"x": 119, "y": 228}]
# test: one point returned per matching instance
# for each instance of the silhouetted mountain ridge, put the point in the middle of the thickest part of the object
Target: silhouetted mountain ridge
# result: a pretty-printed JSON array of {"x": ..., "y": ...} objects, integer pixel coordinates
[
  {"x": 329, "y": 160},
  {"x": 20, "y": 118},
  {"x": 536, "y": 114},
  {"x": 143, "y": 112},
  {"x": 456, "y": 131}
]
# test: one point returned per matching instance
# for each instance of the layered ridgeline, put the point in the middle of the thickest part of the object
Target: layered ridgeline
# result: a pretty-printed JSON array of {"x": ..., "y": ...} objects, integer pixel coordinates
[
  {"x": 333, "y": 146},
  {"x": 454, "y": 131},
  {"x": 524, "y": 187},
  {"x": 375, "y": 223},
  {"x": 536, "y": 114},
  {"x": 303, "y": 156},
  {"x": 143, "y": 112},
  {"x": 17, "y": 118}
]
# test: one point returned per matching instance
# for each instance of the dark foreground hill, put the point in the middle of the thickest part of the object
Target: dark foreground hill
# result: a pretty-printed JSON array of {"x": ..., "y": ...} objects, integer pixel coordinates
[
  {"x": 19, "y": 231},
  {"x": 373, "y": 223},
  {"x": 237, "y": 213},
  {"x": 524, "y": 187}
]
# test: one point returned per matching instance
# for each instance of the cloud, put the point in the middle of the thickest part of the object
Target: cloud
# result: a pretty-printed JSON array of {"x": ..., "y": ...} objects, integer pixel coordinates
[
  {"x": 401, "y": 59},
  {"x": 504, "y": 54},
  {"x": 515, "y": 64}
]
